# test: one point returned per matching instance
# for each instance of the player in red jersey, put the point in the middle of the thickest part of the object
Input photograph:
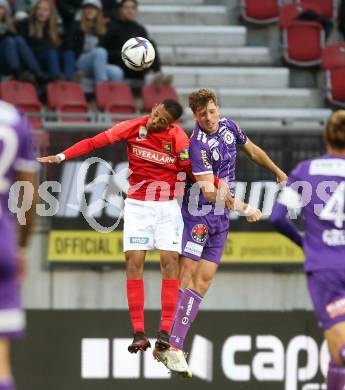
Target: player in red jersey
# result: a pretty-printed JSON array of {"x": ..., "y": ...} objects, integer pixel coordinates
[{"x": 157, "y": 152}]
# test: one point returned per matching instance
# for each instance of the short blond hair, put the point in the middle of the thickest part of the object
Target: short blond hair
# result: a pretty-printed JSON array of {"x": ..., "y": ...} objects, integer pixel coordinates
[
  {"x": 200, "y": 98},
  {"x": 335, "y": 130}
]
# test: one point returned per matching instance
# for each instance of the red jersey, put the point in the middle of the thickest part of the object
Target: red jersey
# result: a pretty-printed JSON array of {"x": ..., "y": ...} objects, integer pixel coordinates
[{"x": 155, "y": 158}]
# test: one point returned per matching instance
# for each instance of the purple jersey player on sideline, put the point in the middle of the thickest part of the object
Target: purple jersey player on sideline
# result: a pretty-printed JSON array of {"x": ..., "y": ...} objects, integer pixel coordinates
[
  {"x": 317, "y": 187},
  {"x": 16, "y": 164},
  {"x": 212, "y": 153}
]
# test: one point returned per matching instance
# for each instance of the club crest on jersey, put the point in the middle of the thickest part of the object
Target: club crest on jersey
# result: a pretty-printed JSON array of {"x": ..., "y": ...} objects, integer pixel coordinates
[
  {"x": 142, "y": 132},
  {"x": 167, "y": 146},
  {"x": 199, "y": 233},
  {"x": 228, "y": 138}
]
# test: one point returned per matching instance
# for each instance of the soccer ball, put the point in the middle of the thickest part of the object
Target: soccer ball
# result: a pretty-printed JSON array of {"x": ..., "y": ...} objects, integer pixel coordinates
[{"x": 138, "y": 53}]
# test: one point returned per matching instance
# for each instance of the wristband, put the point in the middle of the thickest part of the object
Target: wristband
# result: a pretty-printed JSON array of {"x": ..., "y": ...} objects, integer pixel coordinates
[
  {"x": 216, "y": 182},
  {"x": 61, "y": 156}
]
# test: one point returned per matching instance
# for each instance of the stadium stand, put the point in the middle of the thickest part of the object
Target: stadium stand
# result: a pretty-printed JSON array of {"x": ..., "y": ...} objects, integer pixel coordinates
[
  {"x": 303, "y": 41},
  {"x": 115, "y": 98},
  {"x": 333, "y": 62},
  {"x": 328, "y": 8},
  {"x": 24, "y": 96},
  {"x": 155, "y": 93},
  {"x": 260, "y": 12},
  {"x": 67, "y": 97}
]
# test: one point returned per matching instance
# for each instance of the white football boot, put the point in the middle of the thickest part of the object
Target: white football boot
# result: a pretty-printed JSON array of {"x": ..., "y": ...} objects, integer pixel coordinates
[{"x": 174, "y": 359}]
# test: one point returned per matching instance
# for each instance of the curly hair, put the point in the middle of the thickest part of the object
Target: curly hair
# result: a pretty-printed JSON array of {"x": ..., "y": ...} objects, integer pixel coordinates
[
  {"x": 335, "y": 130},
  {"x": 200, "y": 98}
]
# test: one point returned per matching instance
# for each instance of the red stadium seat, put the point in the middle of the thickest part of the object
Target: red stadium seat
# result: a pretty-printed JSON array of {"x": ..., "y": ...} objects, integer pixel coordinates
[
  {"x": 303, "y": 41},
  {"x": 24, "y": 96},
  {"x": 115, "y": 98},
  {"x": 328, "y": 8},
  {"x": 67, "y": 97},
  {"x": 260, "y": 12},
  {"x": 335, "y": 79},
  {"x": 333, "y": 56},
  {"x": 153, "y": 94}
]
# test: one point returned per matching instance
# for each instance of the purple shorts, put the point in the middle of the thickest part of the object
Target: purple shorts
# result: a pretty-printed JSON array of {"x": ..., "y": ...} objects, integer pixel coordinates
[
  {"x": 12, "y": 318},
  {"x": 327, "y": 291},
  {"x": 204, "y": 237}
]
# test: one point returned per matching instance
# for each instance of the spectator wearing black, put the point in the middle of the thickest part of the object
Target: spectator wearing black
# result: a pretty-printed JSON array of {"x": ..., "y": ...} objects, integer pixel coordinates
[
  {"x": 123, "y": 27},
  {"x": 85, "y": 38},
  {"x": 68, "y": 10},
  {"x": 15, "y": 55},
  {"x": 41, "y": 34},
  {"x": 313, "y": 16}
]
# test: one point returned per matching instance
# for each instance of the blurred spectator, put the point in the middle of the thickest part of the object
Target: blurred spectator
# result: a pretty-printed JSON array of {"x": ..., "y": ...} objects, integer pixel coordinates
[
  {"x": 313, "y": 16},
  {"x": 123, "y": 27},
  {"x": 85, "y": 39},
  {"x": 68, "y": 10},
  {"x": 16, "y": 56},
  {"x": 341, "y": 18},
  {"x": 41, "y": 34},
  {"x": 110, "y": 8}
]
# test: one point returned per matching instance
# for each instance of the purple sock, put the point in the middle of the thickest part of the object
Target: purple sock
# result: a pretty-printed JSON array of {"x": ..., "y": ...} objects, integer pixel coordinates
[
  {"x": 7, "y": 384},
  {"x": 188, "y": 309},
  {"x": 335, "y": 376}
]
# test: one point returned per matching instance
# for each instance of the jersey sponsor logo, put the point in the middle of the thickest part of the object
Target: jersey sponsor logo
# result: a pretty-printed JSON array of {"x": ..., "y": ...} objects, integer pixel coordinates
[
  {"x": 199, "y": 233},
  {"x": 328, "y": 167},
  {"x": 205, "y": 159},
  {"x": 228, "y": 137},
  {"x": 142, "y": 133},
  {"x": 152, "y": 155},
  {"x": 167, "y": 146},
  {"x": 139, "y": 240},
  {"x": 193, "y": 248},
  {"x": 336, "y": 308},
  {"x": 184, "y": 155}
]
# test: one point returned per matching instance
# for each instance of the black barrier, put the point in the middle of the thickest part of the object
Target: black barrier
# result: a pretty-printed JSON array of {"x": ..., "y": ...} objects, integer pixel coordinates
[
  {"x": 87, "y": 350},
  {"x": 72, "y": 239}
]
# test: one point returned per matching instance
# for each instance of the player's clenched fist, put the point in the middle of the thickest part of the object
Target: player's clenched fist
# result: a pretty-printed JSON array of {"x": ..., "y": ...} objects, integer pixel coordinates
[
  {"x": 50, "y": 159},
  {"x": 255, "y": 215}
]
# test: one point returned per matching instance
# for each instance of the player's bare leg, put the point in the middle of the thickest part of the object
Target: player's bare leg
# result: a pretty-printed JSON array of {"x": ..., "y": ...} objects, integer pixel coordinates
[
  {"x": 6, "y": 380},
  {"x": 135, "y": 294},
  {"x": 336, "y": 343}
]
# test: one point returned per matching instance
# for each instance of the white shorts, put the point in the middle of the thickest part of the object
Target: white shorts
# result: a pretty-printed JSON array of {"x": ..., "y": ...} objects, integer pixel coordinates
[{"x": 152, "y": 225}]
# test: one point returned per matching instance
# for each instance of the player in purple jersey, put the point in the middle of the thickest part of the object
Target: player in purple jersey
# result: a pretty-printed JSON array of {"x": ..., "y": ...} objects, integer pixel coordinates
[
  {"x": 212, "y": 153},
  {"x": 16, "y": 164},
  {"x": 317, "y": 188}
]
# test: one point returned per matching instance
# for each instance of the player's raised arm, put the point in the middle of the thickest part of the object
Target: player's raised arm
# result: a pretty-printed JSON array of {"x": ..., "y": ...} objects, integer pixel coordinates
[
  {"x": 114, "y": 134},
  {"x": 80, "y": 148},
  {"x": 261, "y": 157}
]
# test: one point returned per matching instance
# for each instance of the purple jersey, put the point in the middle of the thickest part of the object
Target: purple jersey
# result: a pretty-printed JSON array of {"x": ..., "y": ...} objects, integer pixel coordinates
[
  {"x": 214, "y": 153},
  {"x": 317, "y": 187},
  {"x": 16, "y": 154},
  {"x": 204, "y": 235}
]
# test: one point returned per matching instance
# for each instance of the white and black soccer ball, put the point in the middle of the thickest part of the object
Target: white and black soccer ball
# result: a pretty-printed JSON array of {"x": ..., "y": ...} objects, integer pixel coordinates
[{"x": 138, "y": 53}]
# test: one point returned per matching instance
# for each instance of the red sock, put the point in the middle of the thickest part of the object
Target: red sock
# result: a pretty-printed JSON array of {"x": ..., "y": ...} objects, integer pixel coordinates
[
  {"x": 135, "y": 297},
  {"x": 169, "y": 299}
]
